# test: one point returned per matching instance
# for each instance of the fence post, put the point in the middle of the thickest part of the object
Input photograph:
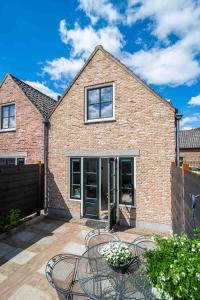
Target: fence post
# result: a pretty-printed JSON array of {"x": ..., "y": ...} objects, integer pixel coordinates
[
  {"x": 185, "y": 168},
  {"x": 39, "y": 186}
]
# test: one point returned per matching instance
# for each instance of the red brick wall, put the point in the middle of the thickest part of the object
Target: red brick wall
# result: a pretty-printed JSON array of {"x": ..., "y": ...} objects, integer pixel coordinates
[
  {"x": 191, "y": 157},
  {"x": 28, "y": 136}
]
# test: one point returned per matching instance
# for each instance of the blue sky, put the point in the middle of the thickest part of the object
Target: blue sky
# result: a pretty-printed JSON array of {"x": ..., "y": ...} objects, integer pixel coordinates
[{"x": 45, "y": 43}]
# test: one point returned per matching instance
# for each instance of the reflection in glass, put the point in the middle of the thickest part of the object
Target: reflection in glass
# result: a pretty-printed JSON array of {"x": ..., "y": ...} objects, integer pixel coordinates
[
  {"x": 12, "y": 110},
  {"x": 126, "y": 181},
  {"x": 76, "y": 178},
  {"x": 106, "y": 94},
  {"x": 93, "y": 96},
  {"x": 91, "y": 192},
  {"x": 76, "y": 167},
  {"x": 91, "y": 166},
  {"x": 106, "y": 110},
  {"x": 5, "y": 111},
  {"x": 76, "y": 191},
  {"x": 91, "y": 179},
  {"x": 93, "y": 111}
]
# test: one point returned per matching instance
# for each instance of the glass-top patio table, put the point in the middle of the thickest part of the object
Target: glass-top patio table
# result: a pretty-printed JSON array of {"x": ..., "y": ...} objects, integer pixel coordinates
[{"x": 100, "y": 281}]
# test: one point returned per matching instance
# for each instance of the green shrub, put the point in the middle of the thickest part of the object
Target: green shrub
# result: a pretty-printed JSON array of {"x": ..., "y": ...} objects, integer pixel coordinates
[
  {"x": 174, "y": 266},
  {"x": 11, "y": 220}
]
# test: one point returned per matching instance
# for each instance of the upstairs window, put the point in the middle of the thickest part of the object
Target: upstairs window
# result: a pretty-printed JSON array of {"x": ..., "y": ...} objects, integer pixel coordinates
[
  {"x": 12, "y": 161},
  {"x": 7, "y": 116},
  {"x": 99, "y": 103}
]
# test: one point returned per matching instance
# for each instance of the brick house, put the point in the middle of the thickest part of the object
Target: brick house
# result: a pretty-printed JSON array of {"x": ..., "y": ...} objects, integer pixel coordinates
[
  {"x": 111, "y": 144},
  {"x": 189, "y": 141},
  {"x": 23, "y": 114}
]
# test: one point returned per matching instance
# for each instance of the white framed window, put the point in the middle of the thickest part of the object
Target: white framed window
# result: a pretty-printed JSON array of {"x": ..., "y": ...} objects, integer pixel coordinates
[
  {"x": 100, "y": 103},
  {"x": 18, "y": 161},
  {"x": 7, "y": 117}
]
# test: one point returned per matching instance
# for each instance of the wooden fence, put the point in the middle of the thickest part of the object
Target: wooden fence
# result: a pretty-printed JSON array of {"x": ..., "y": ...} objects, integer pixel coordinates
[
  {"x": 22, "y": 187},
  {"x": 184, "y": 184}
]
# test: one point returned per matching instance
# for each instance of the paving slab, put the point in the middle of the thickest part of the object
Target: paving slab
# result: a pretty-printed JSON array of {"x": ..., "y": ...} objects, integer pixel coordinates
[
  {"x": 2, "y": 278},
  {"x": 5, "y": 249},
  {"x": 82, "y": 233},
  {"x": 61, "y": 229},
  {"x": 46, "y": 241},
  {"x": 25, "y": 236},
  {"x": 46, "y": 226},
  {"x": 73, "y": 248},
  {"x": 29, "y": 292},
  {"x": 23, "y": 257}
]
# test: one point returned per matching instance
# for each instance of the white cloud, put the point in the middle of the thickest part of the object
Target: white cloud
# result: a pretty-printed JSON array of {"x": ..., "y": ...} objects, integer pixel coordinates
[
  {"x": 194, "y": 101},
  {"x": 63, "y": 67},
  {"x": 192, "y": 121},
  {"x": 84, "y": 40},
  {"x": 178, "y": 17},
  {"x": 186, "y": 128},
  {"x": 43, "y": 88},
  {"x": 100, "y": 9}
]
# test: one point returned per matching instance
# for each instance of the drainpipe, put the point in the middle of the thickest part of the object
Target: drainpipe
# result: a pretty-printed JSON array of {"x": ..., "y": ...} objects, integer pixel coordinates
[
  {"x": 177, "y": 119},
  {"x": 46, "y": 125}
]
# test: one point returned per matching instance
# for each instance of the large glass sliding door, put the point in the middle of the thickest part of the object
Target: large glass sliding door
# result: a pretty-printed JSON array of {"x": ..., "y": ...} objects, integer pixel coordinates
[{"x": 91, "y": 188}]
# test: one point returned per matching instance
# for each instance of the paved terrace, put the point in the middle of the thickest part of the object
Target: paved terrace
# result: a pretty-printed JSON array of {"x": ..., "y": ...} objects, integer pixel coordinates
[{"x": 23, "y": 256}]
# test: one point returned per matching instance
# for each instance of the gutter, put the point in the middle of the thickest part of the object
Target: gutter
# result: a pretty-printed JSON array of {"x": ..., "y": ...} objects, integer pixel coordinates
[
  {"x": 46, "y": 146},
  {"x": 177, "y": 119}
]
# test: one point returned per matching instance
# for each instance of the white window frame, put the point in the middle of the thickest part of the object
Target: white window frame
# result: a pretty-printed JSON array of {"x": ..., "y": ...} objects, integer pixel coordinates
[
  {"x": 113, "y": 102},
  {"x": 7, "y": 129}
]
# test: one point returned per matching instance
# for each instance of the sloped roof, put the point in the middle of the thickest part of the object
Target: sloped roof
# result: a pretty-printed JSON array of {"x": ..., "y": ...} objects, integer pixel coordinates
[
  {"x": 43, "y": 103},
  {"x": 189, "y": 138},
  {"x": 99, "y": 47}
]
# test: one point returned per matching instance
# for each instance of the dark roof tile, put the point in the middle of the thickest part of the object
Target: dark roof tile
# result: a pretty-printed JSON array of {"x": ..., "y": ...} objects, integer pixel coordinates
[
  {"x": 189, "y": 138},
  {"x": 43, "y": 103}
]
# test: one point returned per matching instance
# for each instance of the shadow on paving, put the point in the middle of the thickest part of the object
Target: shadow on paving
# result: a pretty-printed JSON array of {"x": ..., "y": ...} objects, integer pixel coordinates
[{"x": 41, "y": 232}]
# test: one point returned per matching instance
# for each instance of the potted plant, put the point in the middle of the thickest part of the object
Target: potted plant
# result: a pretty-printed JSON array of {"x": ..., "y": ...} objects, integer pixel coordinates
[{"x": 117, "y": 255}]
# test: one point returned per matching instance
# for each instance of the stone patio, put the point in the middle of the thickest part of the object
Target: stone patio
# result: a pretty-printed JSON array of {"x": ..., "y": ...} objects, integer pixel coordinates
[{"x": 23, "y": 257}]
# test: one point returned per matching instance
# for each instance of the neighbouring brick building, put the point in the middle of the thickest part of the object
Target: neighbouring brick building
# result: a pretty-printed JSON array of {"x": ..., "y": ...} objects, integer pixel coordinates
[
  {"x": 111, "y": 145},
  {"x": 189, "y": 141},
  {"x": 23, "y": 111}
]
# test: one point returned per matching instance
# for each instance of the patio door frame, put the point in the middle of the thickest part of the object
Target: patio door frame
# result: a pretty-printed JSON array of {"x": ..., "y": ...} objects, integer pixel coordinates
[{"x": 113, "y": 205}]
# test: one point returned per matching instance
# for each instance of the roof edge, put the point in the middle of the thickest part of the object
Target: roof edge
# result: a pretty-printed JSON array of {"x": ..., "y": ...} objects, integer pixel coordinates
[{"x": 127, "y": 69}]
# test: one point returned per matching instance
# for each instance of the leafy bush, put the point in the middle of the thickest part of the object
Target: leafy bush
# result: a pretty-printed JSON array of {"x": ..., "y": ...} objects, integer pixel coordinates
[
  {"x": 174, "y": 266},
  {"x": 11, "y": 220}
]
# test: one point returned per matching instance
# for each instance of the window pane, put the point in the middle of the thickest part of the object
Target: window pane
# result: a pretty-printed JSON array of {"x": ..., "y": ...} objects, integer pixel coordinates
[
  {"x": 106, "y": 94},
  {"x": 91, "y": 179},
  {"x": 126, "y": 166},
  {"x": 2, "y": 161},
  {"x": 91, "y": 166},
  {"x": 126, "y": 181},
  {"x": 12, "y": 122},
  {"x": 76, "y": 178},
  {"x": 76, "y": 191},
  {"x": 5, "y": 123},
  {"x": 93, "y": 111},
  {"x": 10, "y": 161},
  {"x": 126, "y": 196},
  {"x": 12, "y": 110},
  {"x": 5, "y": 111},
  {"x": 20, "y": 161},
  {"x": 93, "y": 96},
  {"x": 106, "y": 110},
  {"x": 91, "y": 192},
  {"x": 76, "y": 166}
]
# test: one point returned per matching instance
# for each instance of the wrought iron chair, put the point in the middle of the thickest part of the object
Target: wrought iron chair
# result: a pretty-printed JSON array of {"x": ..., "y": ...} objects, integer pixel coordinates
[
  {"x": 61, "y": 273},
  {"x": 145, "y": 242},
  {"x": 98, "y": 236}
]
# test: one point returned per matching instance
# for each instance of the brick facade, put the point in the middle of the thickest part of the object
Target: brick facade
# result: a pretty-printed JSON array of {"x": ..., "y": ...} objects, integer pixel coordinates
[
  {"x": 191, "y": 157},
  {"x": 142, "y": 121},
  {"x": 28, "y": 136}
]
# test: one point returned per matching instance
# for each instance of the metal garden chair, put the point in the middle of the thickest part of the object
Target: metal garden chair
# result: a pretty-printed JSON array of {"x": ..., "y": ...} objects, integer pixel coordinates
[
  {"x": 61, "y": 273},
  {"x": 145, "y": 242},
  {"x": 98, "y": 236}
]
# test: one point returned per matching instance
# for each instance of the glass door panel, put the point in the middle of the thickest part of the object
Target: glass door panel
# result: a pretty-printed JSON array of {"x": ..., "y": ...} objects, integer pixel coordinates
[{"x": 91, "y": 188}]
